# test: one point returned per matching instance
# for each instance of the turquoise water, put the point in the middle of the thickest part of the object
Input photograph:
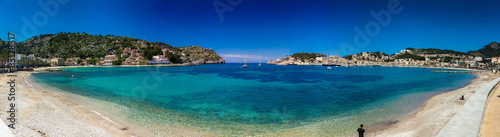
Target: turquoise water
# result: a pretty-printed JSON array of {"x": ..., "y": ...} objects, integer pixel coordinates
[{"x": 228, "y": 99}]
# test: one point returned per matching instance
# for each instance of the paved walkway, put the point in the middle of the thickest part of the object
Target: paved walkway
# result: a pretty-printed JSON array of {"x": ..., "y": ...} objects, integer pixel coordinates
[
  {"x": 491, "y": 119},
  {"x": 4, "y": 130},
  {"x": 467, "y": 121}
]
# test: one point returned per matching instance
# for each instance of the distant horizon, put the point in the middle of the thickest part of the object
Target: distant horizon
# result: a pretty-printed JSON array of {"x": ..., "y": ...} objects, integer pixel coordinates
[{"x": 277, "y": 28}]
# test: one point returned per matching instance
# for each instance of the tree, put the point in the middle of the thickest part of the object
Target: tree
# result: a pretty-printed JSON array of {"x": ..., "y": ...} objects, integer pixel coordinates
[
  {"x": 150, "y": 51},
  {"x": 306, "y": 56},
  {"x": 349, "y": 57},
  {"x": 91, "y": 61},
  {"x": 174, "y": 58},
  {"x": 80, "y": 61},
  {"x": 116, "y": 62},
  {"x": 118, "y": 52}
]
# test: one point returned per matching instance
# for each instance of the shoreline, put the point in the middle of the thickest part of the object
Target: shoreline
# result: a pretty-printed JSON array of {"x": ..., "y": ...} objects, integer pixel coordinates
[
  {"x": 39, "y": 107},
  {"x": 109, "y": 125},
  {"x": 162, "y": 65},
  {"x": 115, "y": 126},
  {"x": 394, "y": 121},
  {"x": 431, "y": 116}
]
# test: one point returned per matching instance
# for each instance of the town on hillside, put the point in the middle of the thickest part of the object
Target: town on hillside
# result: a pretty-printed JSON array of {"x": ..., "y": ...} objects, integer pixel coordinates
[
  {"x": 129, "y": 56},
  {"x": 409, "y": 57},
  {"x": 81, "y": 49}
]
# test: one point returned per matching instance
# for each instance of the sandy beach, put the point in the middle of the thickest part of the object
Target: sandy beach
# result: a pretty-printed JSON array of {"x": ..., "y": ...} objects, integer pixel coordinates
[
  {"x": 47, "y": 113},
  {"x": 42, "y": 113},
  {"x": 433, "y": 115}
]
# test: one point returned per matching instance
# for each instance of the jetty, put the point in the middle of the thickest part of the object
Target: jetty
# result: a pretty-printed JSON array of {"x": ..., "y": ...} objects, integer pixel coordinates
[
  {"x": 51, "y": 70},
  {"x": 455, "y": 71}
]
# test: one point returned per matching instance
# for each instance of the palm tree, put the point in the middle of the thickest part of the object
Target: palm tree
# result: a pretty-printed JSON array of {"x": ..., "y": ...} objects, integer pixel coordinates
[{"x": 24, "y": 61}]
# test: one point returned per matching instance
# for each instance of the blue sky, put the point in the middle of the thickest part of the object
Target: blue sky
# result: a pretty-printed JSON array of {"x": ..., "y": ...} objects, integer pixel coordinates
[{"x": 276, "y": 27}]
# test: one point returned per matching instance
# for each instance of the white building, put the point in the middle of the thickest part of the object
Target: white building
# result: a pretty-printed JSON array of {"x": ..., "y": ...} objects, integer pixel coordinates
[
  {"x": 19, "y": 57},
  {"x": 405, "y": 51},
  {"x": 319, "y": 58},
  {"x": 478, "y": 59}
]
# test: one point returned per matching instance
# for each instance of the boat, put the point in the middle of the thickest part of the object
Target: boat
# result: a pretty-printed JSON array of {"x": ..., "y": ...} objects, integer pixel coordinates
[
  {"x": 328, "y": 61},
  {"x": 331, "y": 64},
  {"x": 245, "y": 65},
  {"x": 259, "y": 59}
]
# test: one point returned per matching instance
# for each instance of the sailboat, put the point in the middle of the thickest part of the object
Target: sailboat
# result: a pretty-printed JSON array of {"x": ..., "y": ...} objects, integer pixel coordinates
[
  {"x": 328, "y": 61},
  {"x": 245, "y": 65},
  {"x": 259, "y": 59}
]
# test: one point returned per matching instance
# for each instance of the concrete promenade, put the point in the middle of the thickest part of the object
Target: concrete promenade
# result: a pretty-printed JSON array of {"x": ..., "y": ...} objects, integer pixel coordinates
[
  {"x": 467, "y": 121},
  {"x": 4, "y": 130}
]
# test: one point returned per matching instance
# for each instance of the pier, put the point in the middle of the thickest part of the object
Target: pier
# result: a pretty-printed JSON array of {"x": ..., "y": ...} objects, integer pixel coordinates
[
  {"x": 455, "y": 71},
  {"x": 51, "y": 70}
]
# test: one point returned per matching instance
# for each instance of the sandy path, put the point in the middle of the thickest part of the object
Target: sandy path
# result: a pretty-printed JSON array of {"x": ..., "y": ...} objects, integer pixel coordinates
[{"x": 491, "y": 119}]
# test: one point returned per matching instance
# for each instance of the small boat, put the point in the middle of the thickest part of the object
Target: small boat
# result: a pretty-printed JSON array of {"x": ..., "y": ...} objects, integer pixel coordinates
[
  {"x": 259, "y": 59},
  {"x": 329, "y": 67},
  {"x": 331, "y": 64},
  {"x": 245, "y": 66}
]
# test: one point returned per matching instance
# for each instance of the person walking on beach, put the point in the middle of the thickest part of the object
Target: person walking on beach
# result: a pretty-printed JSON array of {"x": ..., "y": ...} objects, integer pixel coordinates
[{"x": 361, "y": 131}]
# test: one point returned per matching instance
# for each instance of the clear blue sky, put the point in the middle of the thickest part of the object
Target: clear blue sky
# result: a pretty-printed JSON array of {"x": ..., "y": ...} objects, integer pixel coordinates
[{"x": 277, "y": 27}]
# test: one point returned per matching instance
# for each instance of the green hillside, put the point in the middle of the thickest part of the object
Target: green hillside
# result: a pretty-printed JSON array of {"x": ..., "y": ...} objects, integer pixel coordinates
[{"x": 67, "y": 45}]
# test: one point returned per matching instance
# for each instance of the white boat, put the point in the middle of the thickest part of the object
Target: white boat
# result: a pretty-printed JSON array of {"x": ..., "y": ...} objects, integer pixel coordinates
[
  {"x": 244, "y": 66},
  {"x": 327, "y": 60},
  {"x": 259, "y": 59}
]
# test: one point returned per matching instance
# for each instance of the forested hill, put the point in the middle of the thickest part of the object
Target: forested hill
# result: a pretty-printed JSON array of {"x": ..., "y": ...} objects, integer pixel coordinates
[
  {"x": 490, "y": 50},
  {"x": 435, "y": 51},
  {"x": 67, "y": 45}
]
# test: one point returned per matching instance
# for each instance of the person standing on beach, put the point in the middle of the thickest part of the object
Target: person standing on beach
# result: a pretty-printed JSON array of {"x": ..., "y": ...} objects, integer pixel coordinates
[{"x": 361, "y": 131}]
